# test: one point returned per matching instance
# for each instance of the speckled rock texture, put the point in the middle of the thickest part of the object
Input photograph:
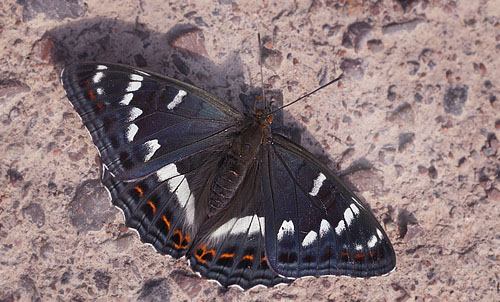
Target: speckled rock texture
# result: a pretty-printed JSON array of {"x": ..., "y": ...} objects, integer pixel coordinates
[{"x": 414, "y": 127}]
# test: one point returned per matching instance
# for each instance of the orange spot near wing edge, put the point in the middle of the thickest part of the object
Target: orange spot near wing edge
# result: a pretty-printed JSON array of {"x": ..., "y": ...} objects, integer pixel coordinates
[
  {"x": 183, "y": 240},
  {"x": 359, "y": 256},
  {"x": 202, "y": 251},
  {"x": 139, "y": 190},
  {"x": 166, "y": 221},
  {"x": 247, "y": 257},
  {"x": 91, "y": 94},
  {"x": 152, "y": 205}
]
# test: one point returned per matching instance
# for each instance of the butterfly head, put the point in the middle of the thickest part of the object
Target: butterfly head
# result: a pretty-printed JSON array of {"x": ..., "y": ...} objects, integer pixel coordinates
[{"x": 264, "y": 116}]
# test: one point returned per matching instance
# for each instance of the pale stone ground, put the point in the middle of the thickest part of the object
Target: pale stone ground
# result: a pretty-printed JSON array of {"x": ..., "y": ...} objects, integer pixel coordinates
[{"x": 418, "y": 105}]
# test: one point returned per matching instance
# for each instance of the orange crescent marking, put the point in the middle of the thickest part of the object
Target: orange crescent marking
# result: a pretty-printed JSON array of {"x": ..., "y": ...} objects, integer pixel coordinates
[
  {"x": 166, "y": 221},
  {"x": 263, "y": 259},
  {"x": 227, "y": 255},
  {"x": 178, "y": 245},
  {"x": 204, "y": 252},
  {"x": 247, "y": 257},
  {"x": 91, "y": 94},
  {"x": 141, "y": 192},
  {"x": 182, "y": 238},
  {"x": 359, "y": 255},
  {"x": 152, "y": 205},
  {"x": 100, "y": 106}
]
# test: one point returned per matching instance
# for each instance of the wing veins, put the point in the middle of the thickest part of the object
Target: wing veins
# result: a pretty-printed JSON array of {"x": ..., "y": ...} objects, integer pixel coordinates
[
  {"x": 159, "y": 79},
  {"x": 294, "y": 179},
  {"x": 273, "y": 201},
  {"x": 175, "y": 150},
  {"x": 296, "y": 185}
]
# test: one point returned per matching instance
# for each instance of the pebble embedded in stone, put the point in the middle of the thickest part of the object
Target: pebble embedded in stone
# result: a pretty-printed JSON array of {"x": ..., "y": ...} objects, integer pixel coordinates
[
  {"x": 455, "y": 98},
  {"x": 355, "y": 35}
]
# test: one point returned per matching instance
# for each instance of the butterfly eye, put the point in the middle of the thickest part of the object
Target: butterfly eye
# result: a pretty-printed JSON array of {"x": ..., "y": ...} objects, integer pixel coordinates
[
  {"x": 270, "y": 118},
  {"x": 258, "y": 111}
]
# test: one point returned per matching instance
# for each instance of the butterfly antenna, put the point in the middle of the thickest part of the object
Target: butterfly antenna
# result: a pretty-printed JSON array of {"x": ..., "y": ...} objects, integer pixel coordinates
[
  {"x": 309, "y": 93},
  {"x": 261, "y": 74}
]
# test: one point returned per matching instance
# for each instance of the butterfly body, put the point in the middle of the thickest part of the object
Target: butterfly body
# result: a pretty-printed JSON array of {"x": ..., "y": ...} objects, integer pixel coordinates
[
  {"x": 199, "y": 179},
  {"x": 237, "y": 162}
]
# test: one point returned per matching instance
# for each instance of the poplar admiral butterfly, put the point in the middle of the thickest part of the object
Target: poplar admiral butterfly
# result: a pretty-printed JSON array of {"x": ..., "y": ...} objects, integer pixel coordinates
[{"x": 198, "y": 179}]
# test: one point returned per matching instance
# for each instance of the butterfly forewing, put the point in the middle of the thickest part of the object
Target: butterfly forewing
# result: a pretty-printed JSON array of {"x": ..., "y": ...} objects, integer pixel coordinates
[
  {"x": 139, "y": 121},
  {"x": 314, "y": 224}
]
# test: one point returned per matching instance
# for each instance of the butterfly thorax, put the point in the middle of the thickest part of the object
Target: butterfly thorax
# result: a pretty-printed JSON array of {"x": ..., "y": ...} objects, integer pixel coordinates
[{"x": 235, "y": 165}]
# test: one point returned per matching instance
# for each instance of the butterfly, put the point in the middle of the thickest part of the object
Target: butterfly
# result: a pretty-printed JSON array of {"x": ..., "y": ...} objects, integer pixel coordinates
[{"x": 199, "y": 179}]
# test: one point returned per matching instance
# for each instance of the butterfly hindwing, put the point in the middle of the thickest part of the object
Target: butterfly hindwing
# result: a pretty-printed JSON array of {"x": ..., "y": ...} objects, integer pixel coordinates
[
  {"x": 230, "y": 246},
  {"x": 140, "y": 120},
  {"x": 314, "y": 224},
  {"x": 161, "y": 206}
]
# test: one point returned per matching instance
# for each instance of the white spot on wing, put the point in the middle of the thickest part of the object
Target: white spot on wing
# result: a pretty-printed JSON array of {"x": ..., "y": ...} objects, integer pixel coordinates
[
  {"x": 142, "y": 72},
  {"x": 177, "y": 99},
  {"x": 286, "y": 228},
  {"x": 173, "y": 175},
  {"x": 379, "y": 234},
  {"x": 354, "y": 209},
  {"x": 340, "y": 228},
  {"x": 358, "y": 247},
  {"x": 373, "y": 241},
  {"x": 186, "y": 199},
  {"x": 97, "y": 77},
  {"x": 178, "y": 185},
  {"x": 134, "y": 113},
  {"x": 247, "y": 223},
  {"x": 225, "y": 228},
  {"x": 235, "y": 226},
  {"x": 348, "y": 216},
  {"x": 167, "y": 172},
  {"x": 101, "y": 67},
  {"x": 324, "y": 228},
  {"x": 99, "y": 90},
  {"x": 256, "y": 226},
  {"x": 133, "y": 86},
  {"x": 152, "y": 146},
  {"x": 126, "y": 99},
  {"x": 136, "y": 77},
  {"x": 131, "y": 132},
  {"x": 318, "y": 182},
  {"x": 357, "y": 202},
  {"x": 309, "y": 239}
]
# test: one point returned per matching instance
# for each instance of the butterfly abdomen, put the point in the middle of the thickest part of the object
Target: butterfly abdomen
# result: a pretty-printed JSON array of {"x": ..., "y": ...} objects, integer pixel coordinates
[{"x": 235, "y": 165}]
